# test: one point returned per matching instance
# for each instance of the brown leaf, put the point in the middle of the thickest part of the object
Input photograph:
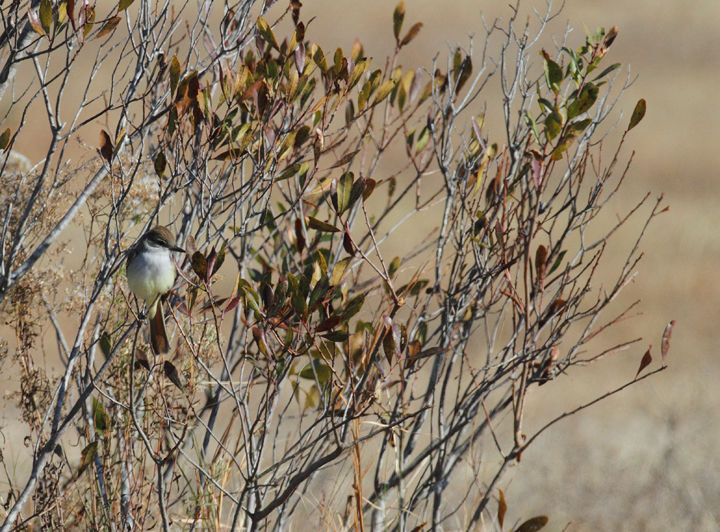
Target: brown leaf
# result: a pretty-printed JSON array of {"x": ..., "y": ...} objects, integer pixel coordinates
[
  {"x": 171, "y": 373},
  {"x": 233, "y": 303},
  {"x": 610, "y": 36},
  {"x": 645, "y": 362},
  {"x": 348, "y": 244},
  {"x": 106, "y": 147},
  {"x": 328, "y": 324},
  {"x": 299, "y": 237},
  {"x": 190, "y": 245},
  {"x": 34, "y": 20},
  {"x": 141, "y": 360},
  {"x": 428, "y": 353},
  {"x": 259, "y": 337},
  {"x": 665, "y": 346},
  {"x": 540, "y": 262},
  {"x": 71, "y": 13},
  {"x": 412, "y": 33},
  {"x": 345, "y": 159},
  {"x": 252, "y": 89},
  {"x": 109, "y": 25},
  {"x": 323, "y": 227},
  {"x": 502, "y": 508},
  {"x": 199, "y": 264},
  {"x": 211, "y": 258},
  {"x": 369, "y": 187}
]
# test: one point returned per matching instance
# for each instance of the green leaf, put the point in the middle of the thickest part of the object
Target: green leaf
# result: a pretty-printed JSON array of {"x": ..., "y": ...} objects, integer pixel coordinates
[
  {"x": 87, "y": 455},
  {"x": 124, "y": 4},
  {"x": 89, "y": 21},
  {"x": 61, "y": 13},
  {"x": 101, "y": 418},
  {"x": 398, "y": 18},
  {"x": 318, "y": 369},
  {"x": 266, "y": 33},
  {"x": 46, "y": 15},
  {"x": 552, "y": 127},
  {"x": 5, "y": 139},
  {"x": 422, "y": 140},
  {"x": 109, "y": 25},
  {"x": 584, "y": 101},
  {"x": 324, "y": 227},
  {"x": 534, "y": 524},
  {"x": 553, "y": 75},
  {"x": 353, "y": 307},
  {"x": 250, "y": 298},
  {"x": 638, "y": 113},
  {"x": 384, "y": 91},
  {"x": 374, "y": 81},
  {"x": 357, "y": 72},
  {"x": 607, "y": 71},
  {"x": 576, "y": 128},
  {"x": 557, "y": 262},
  {"x": 394, "y": 266},
  {"x": 320, "y": 61},
  {"x": 344, "y": 188},
  {"x": 530, "y": 122},
  {"x": 571, "y": 133},
  {"x": 336, "y": 336},
  {"x": 339, "y": 271},
  {"x": 160, "y": 164},
  {"x": 105, "y": 345},
  {"x": 174, "y": 74}
]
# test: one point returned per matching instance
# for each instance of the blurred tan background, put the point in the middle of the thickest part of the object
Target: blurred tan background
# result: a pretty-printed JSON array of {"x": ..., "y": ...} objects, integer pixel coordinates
[{"x": 648, "y": 458}]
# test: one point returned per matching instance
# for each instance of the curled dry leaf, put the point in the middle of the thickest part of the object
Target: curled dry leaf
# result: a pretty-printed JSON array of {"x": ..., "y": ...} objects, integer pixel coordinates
[{"x": 665, "y": 346}]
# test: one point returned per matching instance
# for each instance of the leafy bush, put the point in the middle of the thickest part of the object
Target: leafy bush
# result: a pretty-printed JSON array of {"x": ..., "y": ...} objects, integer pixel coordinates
[{"x": 404, "y": 277}]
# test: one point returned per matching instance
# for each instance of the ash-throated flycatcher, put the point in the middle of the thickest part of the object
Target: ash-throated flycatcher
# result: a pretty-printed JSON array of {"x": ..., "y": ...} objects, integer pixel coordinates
[{"x": 150, "y": 274}]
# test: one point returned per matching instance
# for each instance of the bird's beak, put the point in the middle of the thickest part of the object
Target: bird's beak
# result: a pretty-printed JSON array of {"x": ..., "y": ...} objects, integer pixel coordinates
[{"x": 175, "y": 248}]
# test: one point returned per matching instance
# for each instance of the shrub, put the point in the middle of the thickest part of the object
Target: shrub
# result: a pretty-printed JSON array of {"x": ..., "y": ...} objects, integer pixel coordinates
[{"x": 404, "y": 275}]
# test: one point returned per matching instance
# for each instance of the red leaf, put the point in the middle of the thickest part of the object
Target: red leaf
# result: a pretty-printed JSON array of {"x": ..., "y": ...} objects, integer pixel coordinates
[
  {"x": 328, "y": 324},
  {"x": 645, "y": 362},
  {"x": 348, "y": 244}
]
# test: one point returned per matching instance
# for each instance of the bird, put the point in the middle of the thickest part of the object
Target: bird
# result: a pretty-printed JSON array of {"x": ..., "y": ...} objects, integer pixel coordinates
[{"x": 150, "y": 274}]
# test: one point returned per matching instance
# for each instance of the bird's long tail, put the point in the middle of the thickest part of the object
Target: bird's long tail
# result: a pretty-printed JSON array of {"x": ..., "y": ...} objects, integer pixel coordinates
[{"x": 158, "y": 333}]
